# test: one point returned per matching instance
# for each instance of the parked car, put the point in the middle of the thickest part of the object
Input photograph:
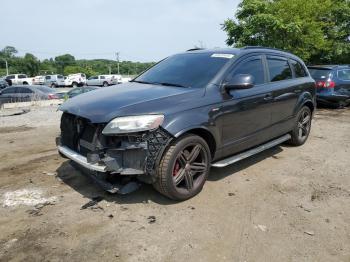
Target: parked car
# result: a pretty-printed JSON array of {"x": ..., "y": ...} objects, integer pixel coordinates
[
  {"x": 38, "y": 80},
  {"x": 333, "y": 84},
  {"x": 187, "y": 113},
  {"x": 24, "y": 93},
  {"x": 75, "y": 80},
  {"x": 77, "y": 91},
  {"x": 100, "y": 80},
  {"x": 116, "y": 79},
  {"x": 3, "y": 83},
  {"x": 54, "y": 81},
  {"x": 19, "y": 79}
]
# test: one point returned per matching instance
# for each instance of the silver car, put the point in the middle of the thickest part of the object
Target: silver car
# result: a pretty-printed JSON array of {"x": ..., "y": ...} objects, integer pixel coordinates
[{"x": 54, "y": 80}]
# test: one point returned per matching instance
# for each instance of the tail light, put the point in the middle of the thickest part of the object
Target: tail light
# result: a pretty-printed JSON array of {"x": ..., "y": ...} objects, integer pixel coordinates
[
  {"x": 325, "y": 84},
  {"x": 53, "y": 96}
]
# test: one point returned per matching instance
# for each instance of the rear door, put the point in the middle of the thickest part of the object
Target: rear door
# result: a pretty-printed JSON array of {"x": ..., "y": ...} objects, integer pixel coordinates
[
  {"x": 246, "y": 113},
  {"x": 285, "y": 92},
  {"x": 24, "y": 94}
]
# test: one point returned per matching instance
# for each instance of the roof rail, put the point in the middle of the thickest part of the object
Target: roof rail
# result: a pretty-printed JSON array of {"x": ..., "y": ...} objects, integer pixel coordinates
[
  {"x": 194, "y": 49},
  {"x": 263, "y": 47}
]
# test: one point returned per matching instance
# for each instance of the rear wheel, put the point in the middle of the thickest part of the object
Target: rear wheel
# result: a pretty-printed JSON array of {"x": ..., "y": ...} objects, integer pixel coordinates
[
  {"x": 302, "y": 128},
  {"x": 184, "y": 168},
  {"x": 53, "y": 85},
  {"x": 74, "y": 84},
  {"x": 105, "y": 84}
]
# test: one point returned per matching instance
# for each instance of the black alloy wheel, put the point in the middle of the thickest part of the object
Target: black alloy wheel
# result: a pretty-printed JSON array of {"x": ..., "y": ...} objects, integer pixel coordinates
[{"x": 184, "y": 168}]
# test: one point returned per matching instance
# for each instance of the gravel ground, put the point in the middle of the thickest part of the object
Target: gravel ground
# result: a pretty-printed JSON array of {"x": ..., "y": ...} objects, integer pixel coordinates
[{"x": 285, "y": 204}]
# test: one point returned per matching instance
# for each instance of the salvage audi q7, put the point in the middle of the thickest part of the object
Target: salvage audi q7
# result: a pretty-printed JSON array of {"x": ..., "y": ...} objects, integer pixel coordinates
[{"x": 189, "y": 112}]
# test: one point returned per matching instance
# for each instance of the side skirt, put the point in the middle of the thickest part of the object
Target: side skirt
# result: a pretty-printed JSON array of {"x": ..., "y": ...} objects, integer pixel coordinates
[{"x": 235, "y": 158}]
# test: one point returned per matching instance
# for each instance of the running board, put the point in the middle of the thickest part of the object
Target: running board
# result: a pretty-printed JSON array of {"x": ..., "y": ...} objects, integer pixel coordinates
[{"x": 253, "y": 151}]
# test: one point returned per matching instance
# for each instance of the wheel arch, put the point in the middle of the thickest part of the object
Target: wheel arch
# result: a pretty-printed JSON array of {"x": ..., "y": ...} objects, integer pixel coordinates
[
  {"x": 306, "y": 99},
  {"x": 203, "y": 133}
]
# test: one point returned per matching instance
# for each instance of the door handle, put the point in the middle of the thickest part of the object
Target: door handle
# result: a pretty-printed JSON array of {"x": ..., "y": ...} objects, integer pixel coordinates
[{"x": 268, "y": 97}]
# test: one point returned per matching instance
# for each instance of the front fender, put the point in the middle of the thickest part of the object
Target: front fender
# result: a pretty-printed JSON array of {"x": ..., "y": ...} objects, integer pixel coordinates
[{"x": 181, "y": 123}]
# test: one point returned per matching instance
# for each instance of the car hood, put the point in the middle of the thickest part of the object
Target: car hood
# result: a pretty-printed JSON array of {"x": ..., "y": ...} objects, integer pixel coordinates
[{"x": 102, "y": 105}]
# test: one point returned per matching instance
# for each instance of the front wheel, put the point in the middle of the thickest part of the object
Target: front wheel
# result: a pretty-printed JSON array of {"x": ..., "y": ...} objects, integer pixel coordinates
[
  {"x": 74, "y": 84},
  {"x": 105, "y": 84},
  {"x": 302, "y": 128},
  {"x": 184, "y": 168}
]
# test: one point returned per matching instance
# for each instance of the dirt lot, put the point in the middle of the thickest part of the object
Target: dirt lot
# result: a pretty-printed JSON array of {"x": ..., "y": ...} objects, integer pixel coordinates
[{"x": 285, "y": 204}]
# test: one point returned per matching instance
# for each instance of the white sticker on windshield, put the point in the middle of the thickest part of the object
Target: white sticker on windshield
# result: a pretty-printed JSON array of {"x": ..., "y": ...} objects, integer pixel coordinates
[{"x": 228, "y": 56}]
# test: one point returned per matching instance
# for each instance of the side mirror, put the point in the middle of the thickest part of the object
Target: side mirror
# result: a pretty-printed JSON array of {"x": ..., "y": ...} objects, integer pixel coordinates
[{"x": 241, "y": 81}]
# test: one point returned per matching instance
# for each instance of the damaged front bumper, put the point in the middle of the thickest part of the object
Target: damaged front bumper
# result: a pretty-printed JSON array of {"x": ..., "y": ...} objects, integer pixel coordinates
[
  {"x": 81, "y": 160},
  {"x": 127, "y": 154}
]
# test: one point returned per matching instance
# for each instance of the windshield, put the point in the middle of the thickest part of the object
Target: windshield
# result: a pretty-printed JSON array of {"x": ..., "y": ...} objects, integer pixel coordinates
[
  {"x": 185, "y": 70},
  {"x": 319, "y": 73}
]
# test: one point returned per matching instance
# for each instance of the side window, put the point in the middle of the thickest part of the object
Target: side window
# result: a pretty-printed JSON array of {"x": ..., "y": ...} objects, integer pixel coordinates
[
  {"x": 22, "y": 76},
  {"x": 59, "y": 76},
  {"x": 47, "y": 77},
  {"x": 102, "y": 77},
  {"x": 279, "y": 69},
  {"x": 298, "y": 69},
  {"x": 344, "y": 74},
  {"x": 10, "y": 77},
  {"x": 253, "y": 67},
  {"x": 10, "y": 90},
  {"x": 24, "y": 90}
]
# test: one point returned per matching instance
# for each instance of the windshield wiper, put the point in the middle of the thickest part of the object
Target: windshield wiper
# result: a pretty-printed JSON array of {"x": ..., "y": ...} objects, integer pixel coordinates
[
  {"x": 171, "y": 84},
  {"x": 157, "y": 83},
  {"x": 142, "y": 82}
]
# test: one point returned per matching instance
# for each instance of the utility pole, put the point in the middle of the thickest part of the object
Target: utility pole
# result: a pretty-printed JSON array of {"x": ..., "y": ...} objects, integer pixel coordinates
[
  {"x": 117, "y": 56},
  {"x": 7, "y": 67}
]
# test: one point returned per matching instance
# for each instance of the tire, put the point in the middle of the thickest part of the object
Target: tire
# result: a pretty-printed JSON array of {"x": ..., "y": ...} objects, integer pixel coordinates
[
  {"x": 302, "y": 128},
  {"x": 25, "y": 83},
  {"x": 53, "y": 86},
  {"x": 105, "y": 84},
  {"x": 187, "y": 160},
  {"x": 74, "y": 84}
]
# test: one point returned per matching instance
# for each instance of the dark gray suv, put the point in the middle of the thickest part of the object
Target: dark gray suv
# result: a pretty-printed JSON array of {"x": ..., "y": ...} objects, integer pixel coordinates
[{"x": 189, "y": 112}]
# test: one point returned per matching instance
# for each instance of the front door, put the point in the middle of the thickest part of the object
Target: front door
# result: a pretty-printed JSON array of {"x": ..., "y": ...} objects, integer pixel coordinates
[{"x": 245, "y": 113}]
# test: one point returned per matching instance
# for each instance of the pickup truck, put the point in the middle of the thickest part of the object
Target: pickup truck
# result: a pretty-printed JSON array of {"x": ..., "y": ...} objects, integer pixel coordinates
[
  {"x": 19, "y": 79},
  {"x": 100, "y": 80},
  {"x": 75, "y": 80}
]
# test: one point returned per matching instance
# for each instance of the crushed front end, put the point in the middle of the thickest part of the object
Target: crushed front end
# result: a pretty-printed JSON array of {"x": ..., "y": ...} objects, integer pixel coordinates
[{"x": 104, "y": 156}]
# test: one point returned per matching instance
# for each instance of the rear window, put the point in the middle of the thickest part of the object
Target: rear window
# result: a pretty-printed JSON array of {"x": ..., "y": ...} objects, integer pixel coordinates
[
  {"x": 319, "y": 73},
  {"x": 279, "y": 69},
  {"x": 45, "y": 89},
  {"x": 344, "y": 74}
]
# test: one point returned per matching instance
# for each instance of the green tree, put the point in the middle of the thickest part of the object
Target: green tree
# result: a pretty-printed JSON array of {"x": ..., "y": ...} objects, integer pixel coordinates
[
  {"x": 8, "y": 52},
  {"x": 64, "y": 60},
  {"x": 316, "y": 30},
  {"x": 30, "y": 65}
]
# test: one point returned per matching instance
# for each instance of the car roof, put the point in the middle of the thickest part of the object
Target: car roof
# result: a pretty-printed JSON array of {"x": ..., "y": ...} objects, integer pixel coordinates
[
  {"x": 330, "y": 67},
  {"x": 242, "y": 51}
]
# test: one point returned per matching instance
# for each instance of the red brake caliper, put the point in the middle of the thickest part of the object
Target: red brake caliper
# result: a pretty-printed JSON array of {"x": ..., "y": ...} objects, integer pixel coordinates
[{"x": 176, "y": 168}]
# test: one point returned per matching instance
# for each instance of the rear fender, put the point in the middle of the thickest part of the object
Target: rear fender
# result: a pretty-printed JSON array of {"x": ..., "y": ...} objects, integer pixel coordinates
[{"x": 305, "y": 98}]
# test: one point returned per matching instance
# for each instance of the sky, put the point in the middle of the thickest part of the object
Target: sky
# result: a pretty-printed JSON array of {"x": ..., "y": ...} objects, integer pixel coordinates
[{"x": 140, "y": 30}]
